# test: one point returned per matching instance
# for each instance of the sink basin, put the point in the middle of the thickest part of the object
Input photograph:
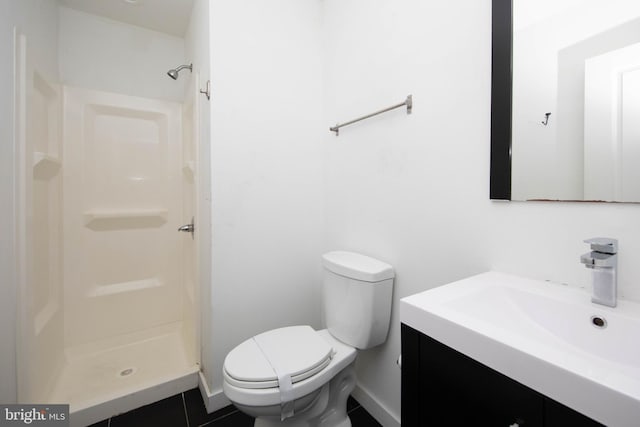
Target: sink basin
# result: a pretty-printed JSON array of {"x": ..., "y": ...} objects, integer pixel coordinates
[{"x": 548, "y": 336}]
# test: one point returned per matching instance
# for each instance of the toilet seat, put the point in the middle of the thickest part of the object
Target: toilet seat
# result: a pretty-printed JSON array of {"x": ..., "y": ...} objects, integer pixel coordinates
[
  {"x": 298, "y": 350},
  {"x": 255, "y": 397}
]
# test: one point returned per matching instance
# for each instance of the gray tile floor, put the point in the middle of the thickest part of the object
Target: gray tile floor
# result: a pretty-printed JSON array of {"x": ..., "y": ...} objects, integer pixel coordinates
[{"x": 187, "y": 410}]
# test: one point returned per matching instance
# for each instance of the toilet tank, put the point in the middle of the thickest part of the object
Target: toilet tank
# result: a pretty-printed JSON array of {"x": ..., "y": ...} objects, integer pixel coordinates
[{"x": 357, "y": 292}]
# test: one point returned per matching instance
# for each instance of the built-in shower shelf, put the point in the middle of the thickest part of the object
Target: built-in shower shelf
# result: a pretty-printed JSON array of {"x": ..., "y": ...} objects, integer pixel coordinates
[
  {"x": 118, "y": 288},
  {"x": 129, "y": 218},
  {"x": 189, "y": 168},
  {"x": 45, "y": 166}
]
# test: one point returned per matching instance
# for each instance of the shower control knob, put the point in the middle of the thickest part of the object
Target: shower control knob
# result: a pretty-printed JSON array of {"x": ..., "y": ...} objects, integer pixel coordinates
[{"x": 188, "y": 228}]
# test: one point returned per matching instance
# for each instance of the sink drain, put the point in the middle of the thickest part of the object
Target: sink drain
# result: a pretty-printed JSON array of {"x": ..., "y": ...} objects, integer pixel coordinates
[
  {"x": 599, "y": 322},
  {"x": 127, "y": 372}
]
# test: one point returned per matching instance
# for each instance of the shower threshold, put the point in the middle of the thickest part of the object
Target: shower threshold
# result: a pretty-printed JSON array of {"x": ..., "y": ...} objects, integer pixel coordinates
[{"x": 105, "y": 378}]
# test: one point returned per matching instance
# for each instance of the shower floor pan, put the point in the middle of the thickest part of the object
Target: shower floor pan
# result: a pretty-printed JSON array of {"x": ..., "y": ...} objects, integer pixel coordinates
[{"x": 105, "y": 378}]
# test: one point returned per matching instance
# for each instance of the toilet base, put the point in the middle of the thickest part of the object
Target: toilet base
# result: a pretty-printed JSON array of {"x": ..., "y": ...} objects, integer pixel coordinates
[{"x": 329, "y": 408}]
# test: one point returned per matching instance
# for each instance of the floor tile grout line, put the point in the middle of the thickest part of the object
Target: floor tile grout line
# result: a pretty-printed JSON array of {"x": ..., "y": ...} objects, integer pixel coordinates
[
  {"x": 218, "y": 419},
  {"x": 210, "y": 423},
  {"x": 184, "y": 407},
  {"x": 353, "y": 409}
]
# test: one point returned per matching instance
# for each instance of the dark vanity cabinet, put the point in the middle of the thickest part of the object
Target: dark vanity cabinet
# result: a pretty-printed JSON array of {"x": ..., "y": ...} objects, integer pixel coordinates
[{"x": 443, "y": 387}]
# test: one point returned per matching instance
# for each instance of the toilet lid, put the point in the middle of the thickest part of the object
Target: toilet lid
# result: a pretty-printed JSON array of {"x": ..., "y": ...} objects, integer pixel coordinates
[{"x": 297, "y": 350}]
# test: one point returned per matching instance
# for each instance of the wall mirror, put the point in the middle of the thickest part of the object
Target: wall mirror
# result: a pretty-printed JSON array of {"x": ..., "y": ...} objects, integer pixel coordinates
[{"x": 565, "y": 116}]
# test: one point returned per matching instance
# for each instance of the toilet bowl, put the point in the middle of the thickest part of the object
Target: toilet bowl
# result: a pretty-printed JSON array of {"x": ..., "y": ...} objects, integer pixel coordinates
[
  {"x": 264, "y": 403},
  {"x": 299, "y": 377}
]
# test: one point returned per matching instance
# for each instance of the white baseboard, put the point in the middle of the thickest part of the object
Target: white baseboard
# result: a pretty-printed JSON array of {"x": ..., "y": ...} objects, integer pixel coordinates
[
  {"x": 373, "y": 406},
  {"x": 212, "y": 400}
]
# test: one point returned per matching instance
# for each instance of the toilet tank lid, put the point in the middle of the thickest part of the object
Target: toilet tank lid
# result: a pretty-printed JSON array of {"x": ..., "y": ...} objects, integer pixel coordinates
[{"x": 357, "y": 266}]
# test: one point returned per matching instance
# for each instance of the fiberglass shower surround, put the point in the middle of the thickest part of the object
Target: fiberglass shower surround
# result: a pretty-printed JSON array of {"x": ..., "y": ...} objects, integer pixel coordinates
[{"x": 112, "y": 288}]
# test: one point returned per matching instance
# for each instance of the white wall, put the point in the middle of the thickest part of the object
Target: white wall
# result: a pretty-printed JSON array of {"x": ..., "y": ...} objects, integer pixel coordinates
[
  {"x": 413, "y": 190},
  {"x": 266, "y": 151},
  {"x": 545, "y": 241},
  {"x": 409, "y": 190},
  {"x": 98, "y": 53},
  {"x": 197, "y": 47},
  {"x": 38, "y": 20}
]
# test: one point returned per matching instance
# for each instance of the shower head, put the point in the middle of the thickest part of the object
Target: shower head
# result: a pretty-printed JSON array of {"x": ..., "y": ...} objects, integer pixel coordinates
[{"x": 174, "y": 73}]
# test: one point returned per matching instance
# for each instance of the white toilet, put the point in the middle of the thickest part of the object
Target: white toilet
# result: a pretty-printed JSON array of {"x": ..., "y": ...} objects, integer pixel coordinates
[{"x": 296, "y": 376}]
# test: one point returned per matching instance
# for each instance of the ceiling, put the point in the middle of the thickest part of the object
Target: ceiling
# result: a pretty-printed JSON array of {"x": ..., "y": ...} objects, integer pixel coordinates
[{"x": 167, "y": 16}]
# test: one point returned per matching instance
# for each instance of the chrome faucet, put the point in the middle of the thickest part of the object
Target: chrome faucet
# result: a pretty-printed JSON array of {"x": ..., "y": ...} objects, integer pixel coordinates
[{"x": 603, "y": 260}]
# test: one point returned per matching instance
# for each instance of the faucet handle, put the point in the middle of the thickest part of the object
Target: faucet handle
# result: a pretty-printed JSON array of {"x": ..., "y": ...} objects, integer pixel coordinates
[{"x": 604, "y": 245}]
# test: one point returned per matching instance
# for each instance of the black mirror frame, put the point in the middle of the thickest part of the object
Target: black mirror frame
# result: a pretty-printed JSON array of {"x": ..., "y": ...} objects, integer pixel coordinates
[{"x": 501, "y": 99}]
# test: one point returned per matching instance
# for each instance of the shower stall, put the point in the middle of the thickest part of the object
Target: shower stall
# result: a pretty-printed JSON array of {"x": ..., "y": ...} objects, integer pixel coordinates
[{"x": 109, "y": 315}]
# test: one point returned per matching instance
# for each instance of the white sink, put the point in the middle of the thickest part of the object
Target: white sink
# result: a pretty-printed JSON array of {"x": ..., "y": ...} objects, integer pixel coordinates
[{"x": 543, "y": 335}]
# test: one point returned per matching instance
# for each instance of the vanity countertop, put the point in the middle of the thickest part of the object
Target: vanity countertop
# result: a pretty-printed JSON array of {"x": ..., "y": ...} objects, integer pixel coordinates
[{"x": 542, "y": 334}]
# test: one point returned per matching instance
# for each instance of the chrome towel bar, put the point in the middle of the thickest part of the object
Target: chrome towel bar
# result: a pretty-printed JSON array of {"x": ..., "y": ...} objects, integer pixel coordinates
[{"x": 408, "y": 102}]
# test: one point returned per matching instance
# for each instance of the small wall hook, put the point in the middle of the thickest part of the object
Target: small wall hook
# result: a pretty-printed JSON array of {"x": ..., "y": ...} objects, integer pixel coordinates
[
  {"x": 207, "y": 91},
  {"x": 546, "y": 119}
]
